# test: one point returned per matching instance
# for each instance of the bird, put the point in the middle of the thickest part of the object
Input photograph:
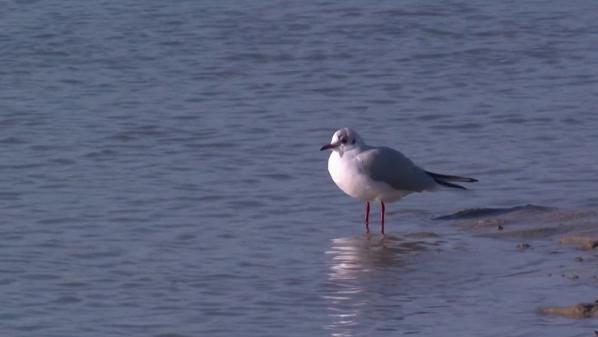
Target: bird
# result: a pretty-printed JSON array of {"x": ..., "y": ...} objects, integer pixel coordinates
[{"x": 379, "y": 173}]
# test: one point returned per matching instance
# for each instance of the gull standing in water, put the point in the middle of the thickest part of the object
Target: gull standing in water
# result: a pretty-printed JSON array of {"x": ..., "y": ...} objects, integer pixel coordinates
[{"x": 378, "y": 173}]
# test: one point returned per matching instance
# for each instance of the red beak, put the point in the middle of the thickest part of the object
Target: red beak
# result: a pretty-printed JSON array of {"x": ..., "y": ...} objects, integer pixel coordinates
[{"x": 328, "y": 147}]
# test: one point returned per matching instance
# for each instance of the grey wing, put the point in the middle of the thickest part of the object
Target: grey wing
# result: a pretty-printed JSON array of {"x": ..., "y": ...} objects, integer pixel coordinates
[{"x": 392, "y": 167}]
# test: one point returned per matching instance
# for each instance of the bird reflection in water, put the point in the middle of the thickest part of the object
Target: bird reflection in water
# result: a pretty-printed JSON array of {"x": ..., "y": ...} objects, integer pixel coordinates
[{"x": 365, "y": 274}]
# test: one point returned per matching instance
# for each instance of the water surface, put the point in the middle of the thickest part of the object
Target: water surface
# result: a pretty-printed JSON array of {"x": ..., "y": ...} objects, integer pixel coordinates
[{"x": 161, "y": 176}]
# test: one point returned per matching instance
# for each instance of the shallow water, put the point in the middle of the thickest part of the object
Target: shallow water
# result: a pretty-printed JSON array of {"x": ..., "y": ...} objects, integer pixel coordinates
[{"x": 161, "y": 176}]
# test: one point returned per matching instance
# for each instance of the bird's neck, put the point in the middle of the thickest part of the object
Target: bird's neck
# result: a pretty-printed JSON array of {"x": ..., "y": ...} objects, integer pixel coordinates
[{"x": 350, "y": 152}]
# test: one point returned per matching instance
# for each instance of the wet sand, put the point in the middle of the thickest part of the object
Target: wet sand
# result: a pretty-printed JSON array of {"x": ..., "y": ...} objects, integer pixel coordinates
[
  {"x": 556, "y": 230},
  {"x": 577, "y": 311}
]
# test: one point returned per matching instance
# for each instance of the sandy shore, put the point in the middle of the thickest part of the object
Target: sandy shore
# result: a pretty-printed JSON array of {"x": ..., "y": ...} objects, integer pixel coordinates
[{"x": 527, "y": 225}]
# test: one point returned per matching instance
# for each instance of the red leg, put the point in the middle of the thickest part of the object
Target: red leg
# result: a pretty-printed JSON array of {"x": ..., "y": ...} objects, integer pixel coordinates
[
  {"x": 367, "y": 216},
  {"x": 382, "y": 217}
]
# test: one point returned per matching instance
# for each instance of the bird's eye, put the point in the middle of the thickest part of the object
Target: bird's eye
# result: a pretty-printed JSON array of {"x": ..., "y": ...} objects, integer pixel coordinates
[{"x": 344, "y": 140}]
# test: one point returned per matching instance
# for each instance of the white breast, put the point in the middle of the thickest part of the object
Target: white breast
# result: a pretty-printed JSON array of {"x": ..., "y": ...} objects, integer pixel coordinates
[{"x": 347, "y": 176}]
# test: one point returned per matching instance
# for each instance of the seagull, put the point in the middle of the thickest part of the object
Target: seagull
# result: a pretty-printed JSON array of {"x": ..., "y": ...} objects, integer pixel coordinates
[{"x": 379, "y": 173}]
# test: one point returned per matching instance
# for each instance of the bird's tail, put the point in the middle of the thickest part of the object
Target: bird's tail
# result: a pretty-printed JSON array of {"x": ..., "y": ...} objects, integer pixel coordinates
[{"x": 446, "y": 180}]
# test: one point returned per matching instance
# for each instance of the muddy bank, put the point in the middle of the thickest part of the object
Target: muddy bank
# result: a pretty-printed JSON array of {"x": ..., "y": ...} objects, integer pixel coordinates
[
  {"x": 577, "y": 228},
  {"x": 558, "y": 232},
  {"x": 577, "y": 311},
  {"x": 587, "y": 241}
]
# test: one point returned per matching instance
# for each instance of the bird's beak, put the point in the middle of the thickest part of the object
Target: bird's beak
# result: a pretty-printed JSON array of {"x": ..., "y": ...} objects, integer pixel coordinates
[{"x": 329, "y": 146}]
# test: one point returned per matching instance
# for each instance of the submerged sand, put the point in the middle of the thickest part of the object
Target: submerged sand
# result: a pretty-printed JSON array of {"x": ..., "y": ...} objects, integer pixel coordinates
[{"x": 526, "y": 225}]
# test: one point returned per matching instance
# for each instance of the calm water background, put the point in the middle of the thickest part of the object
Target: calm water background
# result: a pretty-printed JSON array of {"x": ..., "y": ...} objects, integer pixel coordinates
[{"x": 160, "y": 172}]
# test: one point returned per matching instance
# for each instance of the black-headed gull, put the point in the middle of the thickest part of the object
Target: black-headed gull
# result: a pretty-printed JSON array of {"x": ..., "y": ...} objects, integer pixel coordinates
[{"x": 378, "y": 173}]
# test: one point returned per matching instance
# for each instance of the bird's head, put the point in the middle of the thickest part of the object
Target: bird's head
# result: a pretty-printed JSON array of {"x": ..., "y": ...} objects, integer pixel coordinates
[{"x": 344, "y": 140}]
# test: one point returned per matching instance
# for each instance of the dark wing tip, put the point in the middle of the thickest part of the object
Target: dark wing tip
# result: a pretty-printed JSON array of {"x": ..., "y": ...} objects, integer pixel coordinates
[
  {"x": 444, "y": 183},
  {"x": 446, "y": 177},
  {"x": 444, "y": 180}
]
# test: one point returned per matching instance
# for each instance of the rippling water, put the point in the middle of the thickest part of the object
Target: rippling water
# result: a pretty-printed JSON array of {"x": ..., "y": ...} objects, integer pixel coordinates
[{"x": 161, "y": 176}]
